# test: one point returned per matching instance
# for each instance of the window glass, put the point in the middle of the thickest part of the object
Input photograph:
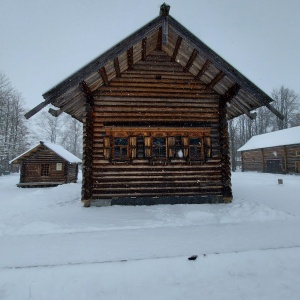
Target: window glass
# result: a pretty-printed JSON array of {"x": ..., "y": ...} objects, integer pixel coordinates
[
  {"x": 159, "y": 147},
  {"x": 58, "y": 166},
  {"x": 45, "y": 170},
  {"x": 195, "y": 147},
  {"x": 120, "y": 147}
]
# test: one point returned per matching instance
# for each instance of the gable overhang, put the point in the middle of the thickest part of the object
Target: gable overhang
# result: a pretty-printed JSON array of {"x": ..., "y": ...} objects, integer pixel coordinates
[{"x": 166, "y": 34}]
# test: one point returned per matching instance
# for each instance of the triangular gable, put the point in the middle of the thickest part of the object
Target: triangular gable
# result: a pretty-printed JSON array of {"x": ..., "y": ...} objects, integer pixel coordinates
[
  {"x": 59, "y": 150},
  {"x": 167, "y": 34}
]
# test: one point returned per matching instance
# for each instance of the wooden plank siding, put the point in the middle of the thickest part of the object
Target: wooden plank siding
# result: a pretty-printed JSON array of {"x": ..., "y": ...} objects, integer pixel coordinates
[
  {"x": 155, "y": 96},
  {"x": 287, "y": 157}
]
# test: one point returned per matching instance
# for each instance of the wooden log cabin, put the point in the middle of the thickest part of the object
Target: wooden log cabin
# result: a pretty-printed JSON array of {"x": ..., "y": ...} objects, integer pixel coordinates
[
  {"x": 46, "y": 165},
  {"x": 154, "y": 109},
  {"x": 274, "y": 152}
]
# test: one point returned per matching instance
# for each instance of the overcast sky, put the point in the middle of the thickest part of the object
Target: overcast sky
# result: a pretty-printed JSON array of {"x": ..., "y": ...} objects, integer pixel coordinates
[{"x": 44, "y": 41}]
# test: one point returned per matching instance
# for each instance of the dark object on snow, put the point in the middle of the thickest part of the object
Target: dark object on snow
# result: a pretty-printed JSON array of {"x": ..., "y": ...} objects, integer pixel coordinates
[{"x": 193, "y": 257}]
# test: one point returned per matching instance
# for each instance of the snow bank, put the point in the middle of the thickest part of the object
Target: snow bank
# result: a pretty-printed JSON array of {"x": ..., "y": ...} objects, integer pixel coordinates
[{"x": 54, "y": 248}]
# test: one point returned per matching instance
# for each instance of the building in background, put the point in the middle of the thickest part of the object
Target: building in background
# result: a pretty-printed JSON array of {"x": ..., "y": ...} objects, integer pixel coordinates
[
  {"x": 47, "y": 164},
  {"x": 274, "y": 152}
]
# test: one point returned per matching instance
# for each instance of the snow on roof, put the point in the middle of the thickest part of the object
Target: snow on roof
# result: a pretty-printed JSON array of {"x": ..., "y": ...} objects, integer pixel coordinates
[
  {"x": 62, "y": 152},
  {"x": 59, "y": 150},
  {"x": 288, "y": 136}
]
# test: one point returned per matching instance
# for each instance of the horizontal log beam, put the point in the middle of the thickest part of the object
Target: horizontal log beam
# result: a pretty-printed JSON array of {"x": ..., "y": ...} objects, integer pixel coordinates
[
  {"x": 55, "y": 112},
  {"x": 36, "y": 109}
]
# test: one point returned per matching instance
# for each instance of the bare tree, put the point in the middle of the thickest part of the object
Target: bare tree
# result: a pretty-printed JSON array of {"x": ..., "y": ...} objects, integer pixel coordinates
[
  {"x": 243, "y": 128},
  {"x": 72, "y": 136},
  {"x": 14, "y": 134},
  {"x": 287, "y": 102},
  {"x": 63, "y": 130},
  {"x": 49, "y": 128}
]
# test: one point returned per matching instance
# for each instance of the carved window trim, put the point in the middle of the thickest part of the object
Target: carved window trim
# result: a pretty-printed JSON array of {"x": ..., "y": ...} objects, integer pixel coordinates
[{"x": 140, "y": 145}]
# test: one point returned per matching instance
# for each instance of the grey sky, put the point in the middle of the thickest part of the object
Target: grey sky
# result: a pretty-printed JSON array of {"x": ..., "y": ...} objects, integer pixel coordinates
[{"x": 44, "y": 41}]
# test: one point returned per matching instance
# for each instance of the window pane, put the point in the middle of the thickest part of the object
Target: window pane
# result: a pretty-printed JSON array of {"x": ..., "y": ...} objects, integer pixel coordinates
[
  {"x": 195, "y": 147},
  {"x": 121, "y": 141},
  {"x": 195, "y": 141},
  {"x": 159, "y": 147},
  {"x": 45, "y": 170},
  {"x": 120, "y": 148}
]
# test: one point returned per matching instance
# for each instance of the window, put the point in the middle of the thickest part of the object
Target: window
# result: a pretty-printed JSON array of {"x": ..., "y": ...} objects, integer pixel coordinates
[
  {"x": 45, "y": 170},
  {"x": 195, "y": 147},
  {"x": 130, "y": 145},
  {"x": 120, "y": 148},
  {"x": 58, "y": 166},
  {"x": 297, "y": 152},
  {"x": 159, "y": 149}
]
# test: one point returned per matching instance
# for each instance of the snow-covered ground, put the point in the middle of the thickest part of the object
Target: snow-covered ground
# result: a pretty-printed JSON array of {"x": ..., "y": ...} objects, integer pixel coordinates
[{"x": 53, "y": 248}]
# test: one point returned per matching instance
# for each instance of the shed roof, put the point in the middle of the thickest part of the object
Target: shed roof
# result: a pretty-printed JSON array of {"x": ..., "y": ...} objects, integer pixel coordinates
[
  {"x": 283, "y": 137},
  {"x": 59, "y": 150},
  {"x": 166, "y": 34}
]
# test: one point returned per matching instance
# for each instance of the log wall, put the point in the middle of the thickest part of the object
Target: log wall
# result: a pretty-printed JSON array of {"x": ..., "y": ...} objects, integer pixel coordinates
[
  {"x": 288, "y": 158},
  {"x": 31, "y": 168},
  {"x": 155, "y": 95}
]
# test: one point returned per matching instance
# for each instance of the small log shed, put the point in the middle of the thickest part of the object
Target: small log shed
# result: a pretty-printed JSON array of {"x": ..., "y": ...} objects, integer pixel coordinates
[
  {"x": 47, "y": 164},
  {"x": 274, "y": 152},
  {"x": 154, "y": 109}
]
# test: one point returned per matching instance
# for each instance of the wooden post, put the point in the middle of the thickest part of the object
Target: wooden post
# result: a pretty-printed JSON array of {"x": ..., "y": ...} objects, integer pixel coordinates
[
  {"x": 224, "y": 149},
  {"x": 285, "y": 170},
  {"x": 242, "y": 161},
  {"x": 22, "y": 172},
  {"x": 87, "y": 159},
  {"x": 263, "y": 160}
]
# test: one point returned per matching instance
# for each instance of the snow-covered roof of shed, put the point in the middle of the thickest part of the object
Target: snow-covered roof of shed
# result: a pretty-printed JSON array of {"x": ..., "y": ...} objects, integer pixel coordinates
[
  {"x": 59, "y": 150},
  {"x": 62, "y": 152},
  {"x": 283, "y": 137}
]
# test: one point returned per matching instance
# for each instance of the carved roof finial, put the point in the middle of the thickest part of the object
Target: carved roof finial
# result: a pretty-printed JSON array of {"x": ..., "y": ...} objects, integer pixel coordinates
[{"x": 164, "y": 10}]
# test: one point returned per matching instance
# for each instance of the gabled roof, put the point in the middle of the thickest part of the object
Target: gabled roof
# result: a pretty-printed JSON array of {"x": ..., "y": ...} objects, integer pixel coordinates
[
  {"x": 283, "y": 137},
  {"x": 59, "y": 150},
  {"x": 166, "y": 34}
]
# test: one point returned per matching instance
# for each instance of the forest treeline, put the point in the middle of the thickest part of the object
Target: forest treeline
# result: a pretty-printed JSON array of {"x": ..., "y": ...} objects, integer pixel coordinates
[{"x": 17, "y": 134}]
